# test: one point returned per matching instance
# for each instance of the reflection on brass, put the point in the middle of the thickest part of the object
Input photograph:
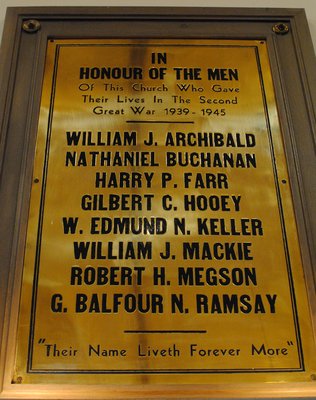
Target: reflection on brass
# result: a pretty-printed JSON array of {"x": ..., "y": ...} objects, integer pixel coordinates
[
  {"x": 162, "y": 244},
  {"x": 31, "y": 26},
  {"x": 280, "y": 28}
]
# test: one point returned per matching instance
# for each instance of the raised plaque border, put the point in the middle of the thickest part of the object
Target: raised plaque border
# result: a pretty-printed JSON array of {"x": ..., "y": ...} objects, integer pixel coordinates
[{"x": 26, "y": 32}]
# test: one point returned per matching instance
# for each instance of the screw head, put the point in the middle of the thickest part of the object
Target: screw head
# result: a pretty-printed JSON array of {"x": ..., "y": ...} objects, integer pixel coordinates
[
  {"x": 280, "y": 28},
  {"x": 31, "y": 26}
]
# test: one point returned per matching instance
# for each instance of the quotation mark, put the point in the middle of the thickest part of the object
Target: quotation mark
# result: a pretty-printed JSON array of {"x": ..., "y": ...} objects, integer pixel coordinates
[
  {"x": 290, "y": 343},
  {"x": 41, "y": 341}
]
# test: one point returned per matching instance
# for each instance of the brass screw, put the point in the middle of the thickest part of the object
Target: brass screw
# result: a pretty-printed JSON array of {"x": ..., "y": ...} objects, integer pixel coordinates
[
  {"x": 31, "y": 26},
  {"x": 280, "y": 28}
]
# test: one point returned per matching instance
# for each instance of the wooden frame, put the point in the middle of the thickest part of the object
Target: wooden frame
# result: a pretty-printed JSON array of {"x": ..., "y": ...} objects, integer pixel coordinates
[{"x": 23, "y": 51}]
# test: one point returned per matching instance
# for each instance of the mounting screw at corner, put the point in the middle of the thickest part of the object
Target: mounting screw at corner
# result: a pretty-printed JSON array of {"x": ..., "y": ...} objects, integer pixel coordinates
[
  {"x": 280, "y": 28},
  {"x": 31, "y": 26}
]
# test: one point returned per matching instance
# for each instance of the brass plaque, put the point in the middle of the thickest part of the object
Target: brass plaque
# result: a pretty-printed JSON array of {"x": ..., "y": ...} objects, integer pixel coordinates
[{"x": 162, "y": 243}]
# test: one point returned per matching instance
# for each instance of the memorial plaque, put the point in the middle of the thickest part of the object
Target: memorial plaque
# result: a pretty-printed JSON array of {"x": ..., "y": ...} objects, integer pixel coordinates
[{"x": 163, "y": 237}]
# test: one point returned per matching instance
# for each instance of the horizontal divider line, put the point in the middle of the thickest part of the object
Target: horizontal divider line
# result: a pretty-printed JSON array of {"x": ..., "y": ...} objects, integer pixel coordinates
[
  {"x": 165, "y": 331},
  {"x": 160, "y": 122}
]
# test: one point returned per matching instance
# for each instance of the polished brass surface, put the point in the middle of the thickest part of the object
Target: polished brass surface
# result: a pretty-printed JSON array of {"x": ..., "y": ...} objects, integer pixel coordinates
[{"x": 182, "y": 136}]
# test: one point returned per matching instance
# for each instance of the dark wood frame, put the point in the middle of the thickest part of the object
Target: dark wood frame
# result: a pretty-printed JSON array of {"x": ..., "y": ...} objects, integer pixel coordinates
[{"x": 22, "y": 64}]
